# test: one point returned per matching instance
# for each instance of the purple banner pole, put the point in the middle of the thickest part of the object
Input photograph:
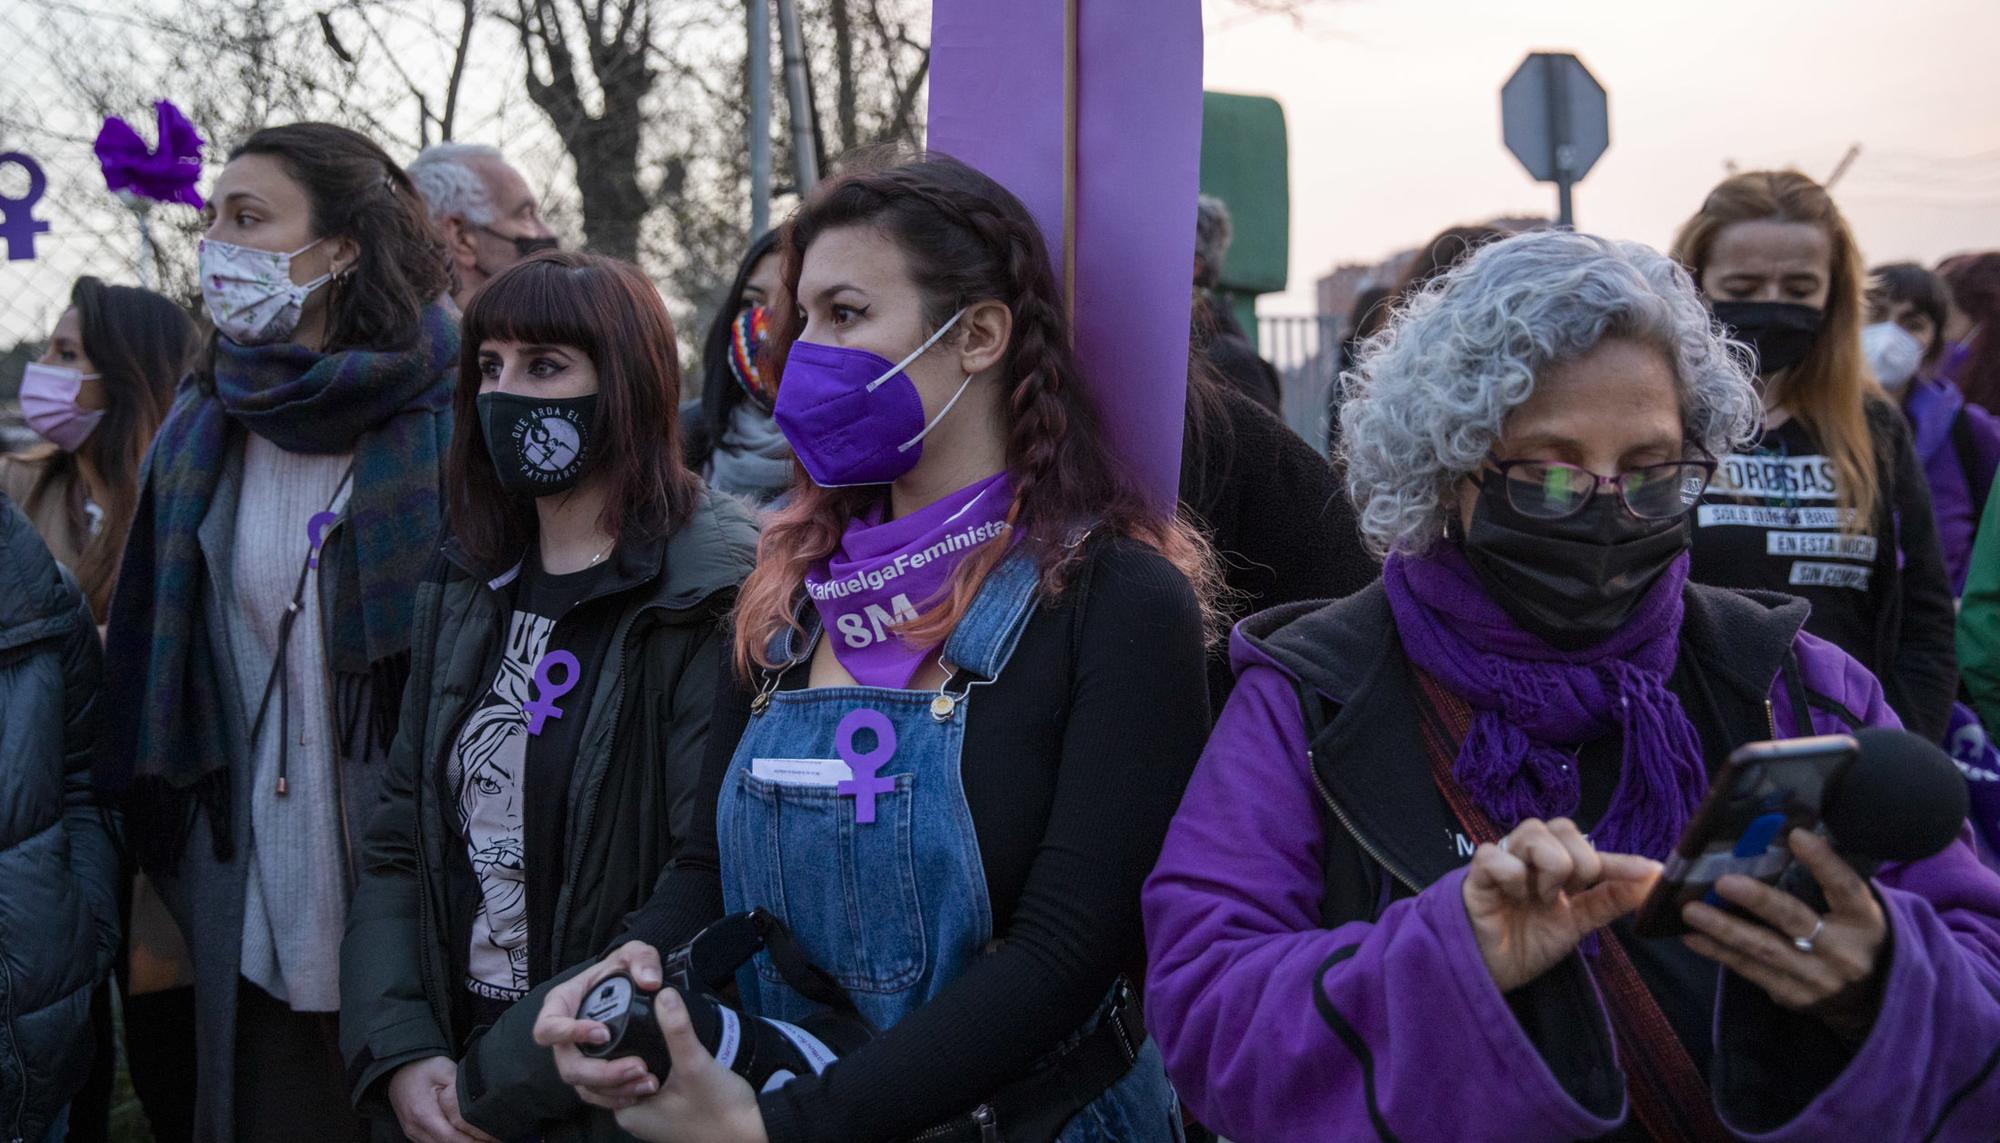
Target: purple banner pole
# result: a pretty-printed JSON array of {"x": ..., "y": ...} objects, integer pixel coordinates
[{"x": 1004, "y": 100}]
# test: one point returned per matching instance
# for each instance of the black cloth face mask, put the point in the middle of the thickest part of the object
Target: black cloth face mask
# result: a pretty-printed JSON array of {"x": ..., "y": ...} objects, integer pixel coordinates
[
  {"x": 523, "y": 246},
  {"x": 540, "y": 445},
  {"x": 1572, "y": 581},
  {"x": 1779, "y": 333}
]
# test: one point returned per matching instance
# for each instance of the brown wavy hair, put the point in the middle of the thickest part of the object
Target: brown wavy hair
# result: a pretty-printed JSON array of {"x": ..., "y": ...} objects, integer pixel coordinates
[
  {"x": 966, "y": 239},
  {"x": 1829, "y": 389},
  {"x": 613, "y": 313},
  {"x": 356, "y": 190}
]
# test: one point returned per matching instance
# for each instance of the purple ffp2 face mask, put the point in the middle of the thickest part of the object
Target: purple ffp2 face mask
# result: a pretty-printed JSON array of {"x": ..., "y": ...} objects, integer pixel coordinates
[{"x": 853, "y": 417}]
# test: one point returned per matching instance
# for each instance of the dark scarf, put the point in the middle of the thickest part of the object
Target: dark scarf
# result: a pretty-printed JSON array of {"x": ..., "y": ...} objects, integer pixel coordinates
[
  {"x": 1531, "y": 702},
  {"x": 165, "y": 750}
]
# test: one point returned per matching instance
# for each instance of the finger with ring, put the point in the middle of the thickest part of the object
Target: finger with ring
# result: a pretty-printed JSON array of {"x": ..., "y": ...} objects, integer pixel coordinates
[{"x": 1805, "y": 944}]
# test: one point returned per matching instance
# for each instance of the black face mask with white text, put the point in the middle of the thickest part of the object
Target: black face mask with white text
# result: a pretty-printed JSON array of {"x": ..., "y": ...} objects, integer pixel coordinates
[
  {"x": 540, "y": 446},
  {"x": 1573, "y": 581}
]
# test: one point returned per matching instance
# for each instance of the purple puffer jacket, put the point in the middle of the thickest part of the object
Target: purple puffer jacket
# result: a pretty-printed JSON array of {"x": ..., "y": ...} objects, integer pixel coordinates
[
  {"x": 1932, "y": 406},
  {"x": 1232, "y": 925}
]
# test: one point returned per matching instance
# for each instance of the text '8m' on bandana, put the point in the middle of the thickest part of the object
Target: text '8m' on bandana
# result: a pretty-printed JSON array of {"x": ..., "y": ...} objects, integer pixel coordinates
[{"x": 884, "y": 572}]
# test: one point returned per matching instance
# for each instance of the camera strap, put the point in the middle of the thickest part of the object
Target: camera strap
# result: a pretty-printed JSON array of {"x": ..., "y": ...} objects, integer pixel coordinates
[
  {"x": 797, "y": 970},
  {"x": 1669, "y": 1097}
]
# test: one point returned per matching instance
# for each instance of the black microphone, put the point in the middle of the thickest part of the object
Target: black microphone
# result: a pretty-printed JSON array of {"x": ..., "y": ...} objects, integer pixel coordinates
[{"x": 1899, "y": 799}]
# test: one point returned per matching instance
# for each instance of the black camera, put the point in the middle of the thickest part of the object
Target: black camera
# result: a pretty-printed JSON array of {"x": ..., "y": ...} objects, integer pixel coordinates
[{"x": 766, "y": 1052}]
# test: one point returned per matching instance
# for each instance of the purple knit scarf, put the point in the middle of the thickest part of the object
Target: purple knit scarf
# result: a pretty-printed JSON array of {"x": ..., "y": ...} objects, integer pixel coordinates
[{"x": 1533, "y": 703}]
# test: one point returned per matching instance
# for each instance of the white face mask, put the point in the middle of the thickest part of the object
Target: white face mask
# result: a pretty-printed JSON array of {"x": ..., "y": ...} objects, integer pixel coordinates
[
  {"x": 1893, "y": 354},
  {"x": 249, "y": 292}
]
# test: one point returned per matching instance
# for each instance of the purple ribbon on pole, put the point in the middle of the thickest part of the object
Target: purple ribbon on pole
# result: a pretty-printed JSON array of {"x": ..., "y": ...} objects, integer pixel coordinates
[{"x": 1118, "y": 195}]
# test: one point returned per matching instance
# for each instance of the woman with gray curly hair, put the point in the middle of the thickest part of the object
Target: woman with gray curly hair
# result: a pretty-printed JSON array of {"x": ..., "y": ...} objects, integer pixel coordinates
[{"x": 1431, "y": 807}]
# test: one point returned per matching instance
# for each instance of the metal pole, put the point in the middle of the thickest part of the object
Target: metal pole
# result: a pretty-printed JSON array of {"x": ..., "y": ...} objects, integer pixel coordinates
[
  {"x": 1560, "y": 138},
  {"x": 805, "y": 156},
  {"x": 759, "y": 41}
]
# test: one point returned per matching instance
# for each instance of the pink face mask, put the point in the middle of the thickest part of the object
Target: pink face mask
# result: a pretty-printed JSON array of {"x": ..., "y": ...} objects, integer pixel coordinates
[{"x": 48, "y": 403}]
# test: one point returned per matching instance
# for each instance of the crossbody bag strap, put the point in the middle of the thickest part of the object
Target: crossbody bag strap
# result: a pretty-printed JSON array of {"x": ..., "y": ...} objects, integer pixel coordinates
[{"x": 1670, "y": 1099}]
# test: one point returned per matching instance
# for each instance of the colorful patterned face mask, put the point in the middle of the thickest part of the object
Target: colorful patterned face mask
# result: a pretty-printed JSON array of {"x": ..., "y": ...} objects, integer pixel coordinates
[
  {"x": 249, "y": 292},
  {"x": 746, "y": 341}
]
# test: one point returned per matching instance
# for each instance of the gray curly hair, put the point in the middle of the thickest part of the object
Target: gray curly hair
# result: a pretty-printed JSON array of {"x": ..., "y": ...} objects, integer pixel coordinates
[{"x": 1429, "y": 394}]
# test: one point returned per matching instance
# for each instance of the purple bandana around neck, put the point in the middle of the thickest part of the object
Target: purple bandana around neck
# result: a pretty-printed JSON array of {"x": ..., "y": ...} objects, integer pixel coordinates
[
  {"x": 1533, "y": 703},
  {"x": 888, "y": 573}
]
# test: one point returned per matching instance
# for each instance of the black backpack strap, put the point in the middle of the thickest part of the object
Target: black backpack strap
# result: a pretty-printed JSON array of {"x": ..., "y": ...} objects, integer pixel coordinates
[{"x": 1978, "y": 475}]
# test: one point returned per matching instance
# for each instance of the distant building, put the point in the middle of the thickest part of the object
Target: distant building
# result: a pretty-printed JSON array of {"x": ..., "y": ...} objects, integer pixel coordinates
[{"x": 1336, "y": 291}]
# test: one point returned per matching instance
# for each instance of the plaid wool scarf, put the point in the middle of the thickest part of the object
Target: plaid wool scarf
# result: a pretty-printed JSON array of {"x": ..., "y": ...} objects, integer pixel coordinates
[{"x": 164, "y": 751}]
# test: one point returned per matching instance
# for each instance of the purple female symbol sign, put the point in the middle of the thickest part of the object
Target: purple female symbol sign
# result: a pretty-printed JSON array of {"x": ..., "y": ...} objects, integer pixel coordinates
[
  {"x": 316, "y": 531},
  {"x": 541, "y": 710},
  {"x": 865, "y": 784},
  {"x": 18, "y": 224}
]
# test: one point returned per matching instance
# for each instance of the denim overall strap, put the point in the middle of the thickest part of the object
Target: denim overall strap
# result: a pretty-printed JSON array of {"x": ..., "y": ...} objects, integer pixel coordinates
[
  {"x": 984, "y": 638},
  {"x": 894, "y": 908}
]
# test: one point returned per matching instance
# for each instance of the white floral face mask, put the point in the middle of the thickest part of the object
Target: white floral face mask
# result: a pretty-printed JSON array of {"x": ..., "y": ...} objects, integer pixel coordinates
[{"x": 249, "y": 292}]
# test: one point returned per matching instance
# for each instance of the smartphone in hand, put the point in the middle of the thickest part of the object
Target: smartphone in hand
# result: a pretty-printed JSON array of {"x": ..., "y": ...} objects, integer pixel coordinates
[{"x": 1764, "y": 792}]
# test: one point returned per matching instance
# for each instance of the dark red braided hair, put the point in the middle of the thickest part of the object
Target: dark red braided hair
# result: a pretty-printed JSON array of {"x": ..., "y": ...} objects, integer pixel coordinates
[{"x": 966, "y": 239}]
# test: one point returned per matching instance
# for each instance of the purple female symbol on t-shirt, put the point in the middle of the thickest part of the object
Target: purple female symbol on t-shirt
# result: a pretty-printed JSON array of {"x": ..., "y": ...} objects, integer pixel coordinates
[
  {"x": 865, "y": 785},
  {"x": 540, "y": 710},
  {"x": 316, "y": 531}
]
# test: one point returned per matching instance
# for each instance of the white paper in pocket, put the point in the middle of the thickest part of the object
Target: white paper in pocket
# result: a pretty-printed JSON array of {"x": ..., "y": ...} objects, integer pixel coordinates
[{"x": 801, "y": 771}]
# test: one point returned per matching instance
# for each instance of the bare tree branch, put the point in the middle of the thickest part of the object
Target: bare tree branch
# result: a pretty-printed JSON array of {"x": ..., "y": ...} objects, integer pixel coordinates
[{"x": 470, "y": 16}]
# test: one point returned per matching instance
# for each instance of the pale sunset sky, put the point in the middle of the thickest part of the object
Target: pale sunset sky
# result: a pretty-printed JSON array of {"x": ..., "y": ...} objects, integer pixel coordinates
[{"x": 1393, "y": 112}]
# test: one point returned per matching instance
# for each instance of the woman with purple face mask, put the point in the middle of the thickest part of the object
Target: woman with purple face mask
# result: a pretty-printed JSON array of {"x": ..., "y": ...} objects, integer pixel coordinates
[
  {"x": 968, "y": 687},
  {"x": 260, "y": 633},
  {"x": 96, "y": 395}
]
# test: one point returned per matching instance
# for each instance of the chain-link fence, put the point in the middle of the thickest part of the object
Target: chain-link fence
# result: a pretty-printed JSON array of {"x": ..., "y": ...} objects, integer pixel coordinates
[
  {"x": 380, "y": 66},
  {"x": 412, "y": 72}
]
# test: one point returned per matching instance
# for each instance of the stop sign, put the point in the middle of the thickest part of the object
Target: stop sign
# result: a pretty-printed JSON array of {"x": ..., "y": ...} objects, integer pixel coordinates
[{"x": 1554, "y": 117}]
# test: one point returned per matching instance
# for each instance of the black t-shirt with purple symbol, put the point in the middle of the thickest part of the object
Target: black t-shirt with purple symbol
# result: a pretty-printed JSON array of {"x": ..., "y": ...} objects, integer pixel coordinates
[{"x": 504, "y": 785}]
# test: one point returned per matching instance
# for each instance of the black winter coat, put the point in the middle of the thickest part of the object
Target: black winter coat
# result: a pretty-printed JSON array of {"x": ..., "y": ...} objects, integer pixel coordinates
[
  {"x": 631, "y": 797},
  {"x": 59, "y": 865}
]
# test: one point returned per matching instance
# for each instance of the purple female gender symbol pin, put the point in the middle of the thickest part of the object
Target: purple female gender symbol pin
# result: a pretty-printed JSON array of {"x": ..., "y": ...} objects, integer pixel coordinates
[
  {"x": 316, "y": 531},
  {"x": 540, "y": 710},
  {"x": 865, "y": 784}
]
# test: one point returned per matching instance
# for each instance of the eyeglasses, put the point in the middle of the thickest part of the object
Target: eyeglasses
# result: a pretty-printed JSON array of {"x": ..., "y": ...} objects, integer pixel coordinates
[{"x": 1552, "y": 490}]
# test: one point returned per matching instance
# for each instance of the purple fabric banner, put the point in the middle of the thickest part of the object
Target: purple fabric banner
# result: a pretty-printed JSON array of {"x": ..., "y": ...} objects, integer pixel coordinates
[{"x": 997, "y": 102}]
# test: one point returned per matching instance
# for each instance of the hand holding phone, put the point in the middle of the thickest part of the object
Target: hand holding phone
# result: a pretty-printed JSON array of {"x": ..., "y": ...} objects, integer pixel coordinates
[{"x": 1764, "y": 792}]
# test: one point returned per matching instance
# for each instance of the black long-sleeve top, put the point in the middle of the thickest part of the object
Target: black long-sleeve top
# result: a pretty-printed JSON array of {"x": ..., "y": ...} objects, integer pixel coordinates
[
  {"x": 1074, "y": 761},
  {"x": 1275, "y": 512}
]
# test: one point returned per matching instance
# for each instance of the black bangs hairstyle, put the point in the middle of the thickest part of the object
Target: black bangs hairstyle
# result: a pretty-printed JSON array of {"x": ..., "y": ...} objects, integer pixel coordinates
[
  {"x": 1922, "y": 291},
  {"x": 611, "y": 312}
]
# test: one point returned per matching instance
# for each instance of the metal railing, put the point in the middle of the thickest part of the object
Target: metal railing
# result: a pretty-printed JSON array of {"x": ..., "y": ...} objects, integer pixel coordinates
[{"x": 1305, "y": 350}]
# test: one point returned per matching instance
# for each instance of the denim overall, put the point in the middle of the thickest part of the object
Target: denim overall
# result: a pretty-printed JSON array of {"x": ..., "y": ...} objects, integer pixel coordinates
[{"x": 895, "y": 910}]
